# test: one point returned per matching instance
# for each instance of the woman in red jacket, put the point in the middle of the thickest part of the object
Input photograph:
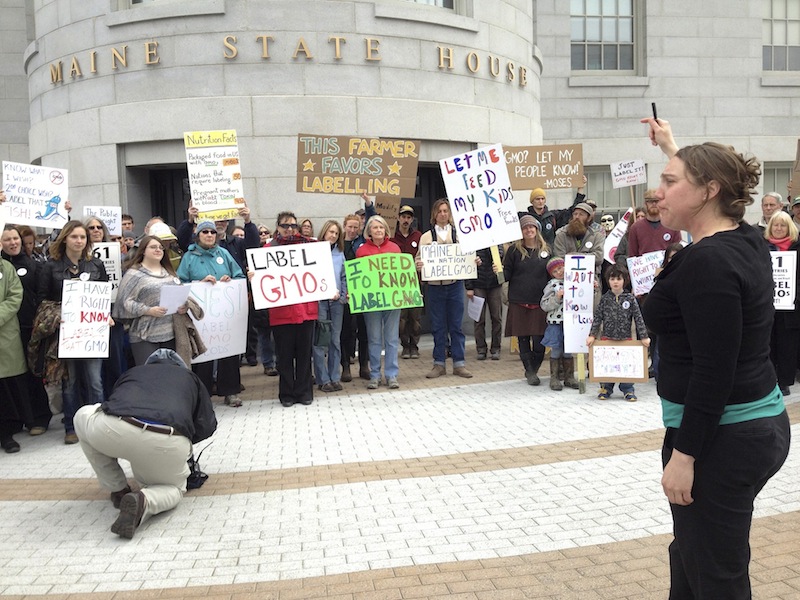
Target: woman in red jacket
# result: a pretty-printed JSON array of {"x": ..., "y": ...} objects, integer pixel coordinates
[{"x": 293, "y": 329}]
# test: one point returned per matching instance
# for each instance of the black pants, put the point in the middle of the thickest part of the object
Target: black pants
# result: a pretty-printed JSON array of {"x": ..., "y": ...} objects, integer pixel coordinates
[
  {"x": 531, "y": 351},
  {"x": 784, "y": 349},
  {"x": 710, "y": 555},
  {"x": 294, "y": 344},
  {"x": 229, "y": 379}
]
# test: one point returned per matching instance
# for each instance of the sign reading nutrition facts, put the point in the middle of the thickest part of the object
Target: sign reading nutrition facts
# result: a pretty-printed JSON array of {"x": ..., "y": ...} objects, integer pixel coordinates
[
  {"x": 335, "y": 164},
  {"x": 215, "y": 175}
]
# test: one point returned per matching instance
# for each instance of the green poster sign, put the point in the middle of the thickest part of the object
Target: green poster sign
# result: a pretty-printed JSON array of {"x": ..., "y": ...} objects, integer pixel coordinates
[{"x": 382, "y": 282}]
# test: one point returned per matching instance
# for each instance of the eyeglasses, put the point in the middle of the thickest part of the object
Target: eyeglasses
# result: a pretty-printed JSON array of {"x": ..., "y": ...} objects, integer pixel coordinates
[
  {"x": 209, "y": 231},
  {"x": 95, "y": 227},
  {"x": 263, "y": 232},
  {"x": 288, "y": 225},
  {"x": 156, "y": 247}
]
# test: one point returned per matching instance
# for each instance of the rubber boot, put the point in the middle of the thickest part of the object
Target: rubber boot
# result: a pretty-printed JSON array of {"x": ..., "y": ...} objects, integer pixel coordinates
[
  {"x": 569, "y": 373},
  {"x": 530, "y": 373},
  {"x": 555, "y": 383}
]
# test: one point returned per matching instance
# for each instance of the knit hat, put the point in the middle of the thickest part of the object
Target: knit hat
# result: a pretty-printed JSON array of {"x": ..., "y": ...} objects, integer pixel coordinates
[
  {"x": 553, "y": 264},
  {"x": 538, "y": 192},
  {"x": 584, "y": 207},
  {"x": 162, "y": 231},
  {"x": 526, "y": 220},
  {"x": 796, "y": 201},
  {"x": 206, "y": 224}
]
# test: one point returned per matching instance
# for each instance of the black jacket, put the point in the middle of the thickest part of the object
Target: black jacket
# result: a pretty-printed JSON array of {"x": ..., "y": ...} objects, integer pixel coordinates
[
  {"x": 183, "y": 403},
  {"x": 27, "y": 269},
  {"x": 51, "y": 276},
  {"x": 487, "y": 278}
]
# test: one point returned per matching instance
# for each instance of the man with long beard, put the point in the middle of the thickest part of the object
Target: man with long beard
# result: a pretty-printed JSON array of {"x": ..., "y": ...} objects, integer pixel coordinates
[{"x": 579, "y": 237}]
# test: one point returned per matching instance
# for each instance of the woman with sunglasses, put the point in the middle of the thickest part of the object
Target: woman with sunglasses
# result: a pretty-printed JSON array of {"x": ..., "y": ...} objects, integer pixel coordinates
[
  {"x": 206, "y": 261},
  {"x": 71, "y": 259},
  {"x": 293, "y": 328}
]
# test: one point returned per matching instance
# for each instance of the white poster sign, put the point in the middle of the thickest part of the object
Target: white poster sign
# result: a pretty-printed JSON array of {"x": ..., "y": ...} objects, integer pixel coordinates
[
  {"x": 613, "y": 238},
  {"x": 110, "y": 215},
  {"x": 447, "y": 261},
  {"x": 215, "y": 175},
  {"x": 35, "y": 195},
  {"x": 618, "y": 361},
  {"x": 784, "y": 272},
  {"x": 643, "y": 269},
  {"x": 224, "y": 325},
  {"x": 291, "y": 274},
  {"x": 628, "y": 173},
  {"x": 110, "y": 254},
  {"x": 578, "y": 301},
  {"x": 85, "y": 311},
  {"x": 480, "y": 197}
]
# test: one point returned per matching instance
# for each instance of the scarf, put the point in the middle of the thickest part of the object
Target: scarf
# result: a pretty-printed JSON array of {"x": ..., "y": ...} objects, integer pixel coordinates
[{"x": 782, "y": 244}]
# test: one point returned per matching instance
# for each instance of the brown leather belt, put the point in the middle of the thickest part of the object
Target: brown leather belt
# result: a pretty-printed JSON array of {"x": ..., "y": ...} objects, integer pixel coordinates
[{"x": 165, "y": 429}]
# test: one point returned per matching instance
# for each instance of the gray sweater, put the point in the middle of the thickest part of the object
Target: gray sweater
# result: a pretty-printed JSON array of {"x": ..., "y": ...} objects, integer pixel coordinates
[{"x": 615, "y": 313}]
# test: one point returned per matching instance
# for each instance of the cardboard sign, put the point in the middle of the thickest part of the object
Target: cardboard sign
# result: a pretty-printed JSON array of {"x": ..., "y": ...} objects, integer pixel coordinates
[
  {"x": 388, "y": 207},
  {"x": 224, "y": 326},
  {"x": 382, "y": 282},
  {"x": 291, "y": 274},
  {"x": 784, "y": 272},
  {"x": 480, "y": 197},
  {"x": 613, "y": 238},
  {"x": 618, "y": 362},
  {"x": 35, "y": 196},
  {"x": 628, "y": 173},
  {"x": 110, "y": 215},
  {"x": 335, "y": 164},
  {"x": 447, "y": 261},
  {"x": 643, "y": 269},
  {"x": 215, "y": 175},
  {"x": 548, "y": 167},
  {"x": 85, "y": 311},
  {"x": 111, "y": 255},
  {"x": 578, "y": 301}
]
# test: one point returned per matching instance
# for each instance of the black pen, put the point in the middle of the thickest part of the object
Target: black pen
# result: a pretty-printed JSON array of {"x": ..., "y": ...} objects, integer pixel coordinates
[{"x": 655, "y": 114}]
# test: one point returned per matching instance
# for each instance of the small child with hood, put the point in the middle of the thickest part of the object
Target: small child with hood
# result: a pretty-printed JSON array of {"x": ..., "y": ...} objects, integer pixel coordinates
[{"x": 552, "y": 303}]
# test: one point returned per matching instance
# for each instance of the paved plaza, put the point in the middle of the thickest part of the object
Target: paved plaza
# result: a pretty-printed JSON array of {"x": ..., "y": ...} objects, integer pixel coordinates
[{"x": 465, "y": 489}]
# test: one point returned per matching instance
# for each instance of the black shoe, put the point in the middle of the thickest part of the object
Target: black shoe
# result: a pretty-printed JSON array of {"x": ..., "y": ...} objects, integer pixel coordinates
[
  {"x": 307, "y": 402},
  {"x": 10, "y": 445},
  {"x": 116, "y": 497},
  {"x": 287, "y": 403},
  {"x": 252, "y": 363},
  {"x": 131, "y": 509},
  {"x": 363, "y": 373}
]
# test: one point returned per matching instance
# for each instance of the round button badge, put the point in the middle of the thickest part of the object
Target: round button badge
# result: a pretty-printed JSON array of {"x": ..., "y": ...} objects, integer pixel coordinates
[
  {"x": 219, "y": 260},
  {"x": 84, "y": 277},
  {"x": 22, "y": 271}
]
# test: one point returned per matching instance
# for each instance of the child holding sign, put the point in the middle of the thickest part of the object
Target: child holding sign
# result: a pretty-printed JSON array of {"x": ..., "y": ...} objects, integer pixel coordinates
[
  {"x": 553, "y": 304},
  {"x": 615, "y": 311}
]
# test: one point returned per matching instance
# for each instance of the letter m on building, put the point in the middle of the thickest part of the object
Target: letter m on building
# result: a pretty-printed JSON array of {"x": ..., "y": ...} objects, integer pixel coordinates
[{"x": 56, "y": 73}]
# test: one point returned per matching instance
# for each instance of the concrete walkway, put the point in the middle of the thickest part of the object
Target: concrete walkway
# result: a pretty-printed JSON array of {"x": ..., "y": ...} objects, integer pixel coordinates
[{"x": 466, "y": 489}]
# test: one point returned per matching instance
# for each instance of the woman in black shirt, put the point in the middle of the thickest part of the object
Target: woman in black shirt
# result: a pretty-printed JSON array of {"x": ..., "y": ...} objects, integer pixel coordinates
[{"x": 712, "y": 308}]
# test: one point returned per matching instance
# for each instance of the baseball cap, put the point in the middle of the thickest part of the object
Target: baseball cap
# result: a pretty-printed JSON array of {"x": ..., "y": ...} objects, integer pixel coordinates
[
  {"x": 406, "y": 209},
  {"x": 796, "y": 201},
  {"x": 162, "y": 231}
]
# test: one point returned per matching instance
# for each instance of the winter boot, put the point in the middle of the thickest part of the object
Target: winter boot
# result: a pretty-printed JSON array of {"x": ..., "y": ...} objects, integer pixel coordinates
[
  {"x": 555, "y": 383},
  {"x": 530, "y": 373},
  {"x": 569, "y": 373}
]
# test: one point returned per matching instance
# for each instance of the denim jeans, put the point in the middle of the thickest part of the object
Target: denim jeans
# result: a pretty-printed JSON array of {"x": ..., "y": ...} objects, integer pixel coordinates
[
  {"x": 383, "y": 333},
  {"x": 445, "y": 306},
  {"x": 623, "y": 387},
  {"x": 267, "y": 345},
  {"x": 84, "y": 374},
  {"x": 329, "y": 368}
]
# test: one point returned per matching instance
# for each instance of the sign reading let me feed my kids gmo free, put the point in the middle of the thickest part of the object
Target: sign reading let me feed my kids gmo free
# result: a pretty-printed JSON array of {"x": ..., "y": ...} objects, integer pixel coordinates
[{"x": 480, "y": 197}]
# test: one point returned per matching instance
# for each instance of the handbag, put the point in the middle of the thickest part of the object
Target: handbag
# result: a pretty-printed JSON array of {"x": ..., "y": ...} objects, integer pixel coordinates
[
  {"x": 196, "y": 476},
  {"x": 323, "y": 330}
]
